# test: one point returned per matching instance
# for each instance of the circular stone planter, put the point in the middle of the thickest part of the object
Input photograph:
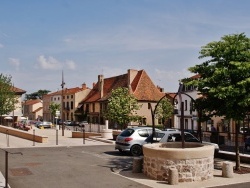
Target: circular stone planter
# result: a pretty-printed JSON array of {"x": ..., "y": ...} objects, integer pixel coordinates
[{"x": 195, "y": 162}]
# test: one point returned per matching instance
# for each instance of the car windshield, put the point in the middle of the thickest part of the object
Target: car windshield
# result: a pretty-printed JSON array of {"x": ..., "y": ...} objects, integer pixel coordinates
[{"x": 127, "y": 132}]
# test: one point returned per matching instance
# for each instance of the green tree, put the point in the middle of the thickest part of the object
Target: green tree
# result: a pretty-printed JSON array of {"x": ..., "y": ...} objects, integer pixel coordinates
[
  {"x": 122, "y": 107},
  {"x": 37, "y": 95},
  {"x": 225, "y": 79},
  {"x": 8, "y": 99},
  {"x": 53, "y": 107},
  {"x": 164, "y": 109}
]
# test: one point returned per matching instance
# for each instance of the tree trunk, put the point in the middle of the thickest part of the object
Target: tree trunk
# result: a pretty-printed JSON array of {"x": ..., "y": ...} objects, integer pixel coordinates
[{"x": 237, "y": 152}]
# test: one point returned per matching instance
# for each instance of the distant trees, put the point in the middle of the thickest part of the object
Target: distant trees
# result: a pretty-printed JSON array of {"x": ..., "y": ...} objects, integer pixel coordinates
[
  {"x": 122, "y": 107},
  {"x": 225, "y": 79},
  {"x": 8, "y": 99},
  {"x": 36, "y": 95}
]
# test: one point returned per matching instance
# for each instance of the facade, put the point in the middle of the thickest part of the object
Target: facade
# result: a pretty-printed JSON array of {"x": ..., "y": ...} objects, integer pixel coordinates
[
  {"x": 17, "y": 113},
  {"x": 138, "y": 83},
  {"x": 33, "y": 109},
  {"x": 69, "y": 101}
]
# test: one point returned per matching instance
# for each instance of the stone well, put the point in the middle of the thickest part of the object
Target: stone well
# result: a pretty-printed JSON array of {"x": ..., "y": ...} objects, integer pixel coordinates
[{"x": 195, "y": 162}]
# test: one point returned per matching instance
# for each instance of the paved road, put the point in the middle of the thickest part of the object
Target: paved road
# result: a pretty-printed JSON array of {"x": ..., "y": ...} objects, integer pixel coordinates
[{"x": 64, "y": 167}]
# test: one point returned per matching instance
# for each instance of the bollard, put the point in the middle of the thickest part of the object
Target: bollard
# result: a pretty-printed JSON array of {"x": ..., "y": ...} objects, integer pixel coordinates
[
  {"x": 56, "y": 136},
  {"x": 173, "y": 178},
  {"x": 7, "y": 138},
  {"x": 34, "y": 137},
  {"x": 227, "y": 169},
  {"x": 137, "y": 165}
]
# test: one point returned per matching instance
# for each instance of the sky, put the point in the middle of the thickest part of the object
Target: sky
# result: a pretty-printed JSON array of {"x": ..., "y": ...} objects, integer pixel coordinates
[{"x": 85, "y": 38}]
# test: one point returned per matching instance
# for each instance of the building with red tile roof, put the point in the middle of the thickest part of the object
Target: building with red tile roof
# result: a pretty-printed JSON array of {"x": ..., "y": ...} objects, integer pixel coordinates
[
  {"x": 70, "y": 102},
  {"x": 33, "y": 109},
  {"x": 139, "y": 84},
  {"x": 17, "y": 113}
]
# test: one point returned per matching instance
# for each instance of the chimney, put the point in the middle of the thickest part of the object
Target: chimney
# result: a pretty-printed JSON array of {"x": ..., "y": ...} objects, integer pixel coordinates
[
  {"x": 93, "y": 84},
  {"x": 101, "y": 83},
  {"x": 131, "y": 75},
  {"x": 84, "y": 86}
]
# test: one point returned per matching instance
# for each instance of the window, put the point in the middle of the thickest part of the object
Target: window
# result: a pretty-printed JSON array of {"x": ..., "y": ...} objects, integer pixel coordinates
[
  {"x": 185, "y": 105},
  {"x": 93, "y": 107},
  {"x": 67, "y": 97},
  {"x": 72, "y": 96},
  {"x": 72, "y": 105},
  {"x": 143, "y": 133},
  {"x": 149, "y": 106}
]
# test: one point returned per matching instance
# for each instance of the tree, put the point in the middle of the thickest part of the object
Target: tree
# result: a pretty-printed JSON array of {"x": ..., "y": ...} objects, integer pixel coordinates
[
  {"x": 8, "y": 99},
  {"x": 122, "y": 107},
  {"x": 225, "y": 79},
  {"x": 37, "y": 95},
  {"x": 164, "y": 109},
  {"x": 53, "y": 107}
]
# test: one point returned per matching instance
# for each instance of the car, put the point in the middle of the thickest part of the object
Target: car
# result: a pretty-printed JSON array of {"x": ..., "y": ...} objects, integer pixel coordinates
[
  {"x": 247, "y": 144},
  {"x": 83, "y": 123},
  {"x": 67, "y": 122},
  {"x": 73, "y": 123},
  {"x": 131, "y": 139},
  {"x": 175, "y": 136},
  {"x": 44, "y": 124}
]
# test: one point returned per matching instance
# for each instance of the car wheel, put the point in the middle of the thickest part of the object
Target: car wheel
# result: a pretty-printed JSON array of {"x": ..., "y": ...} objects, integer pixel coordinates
[
  {"x": 248, "y": 148},
  {"x": 136, "y": 150}
]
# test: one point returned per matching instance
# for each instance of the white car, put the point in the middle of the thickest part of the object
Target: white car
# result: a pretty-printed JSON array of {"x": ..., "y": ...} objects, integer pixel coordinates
[{"x": 175, "y": 136}]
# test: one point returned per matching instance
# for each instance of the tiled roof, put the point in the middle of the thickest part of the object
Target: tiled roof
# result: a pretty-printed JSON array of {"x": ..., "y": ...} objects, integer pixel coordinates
[
  {"x": 142, "y": 87},
  {"x": 18, "y": 90},
  {"x": 37, "y": 110},
  {"x": 31, "y": 102}
]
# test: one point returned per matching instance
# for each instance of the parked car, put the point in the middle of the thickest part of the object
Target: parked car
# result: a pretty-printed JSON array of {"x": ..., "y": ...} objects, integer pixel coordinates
[
  {"x": 44, "y": 124},
  {"x": 247, "y": 144},
  {"x": 175, "y": 136},
  {"x": 131, "y": 139},
  {"x": 73, "y": 123},
  {"x": 83, "y": 123},
  {"x": 67, "y": 122}
]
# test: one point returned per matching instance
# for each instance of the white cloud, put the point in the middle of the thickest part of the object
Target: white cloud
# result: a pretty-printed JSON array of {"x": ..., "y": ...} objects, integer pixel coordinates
[
  {"x": 49, "y": 63},
  {"x": 70, "y": 64},
  {"x": 14, "y": 62}
]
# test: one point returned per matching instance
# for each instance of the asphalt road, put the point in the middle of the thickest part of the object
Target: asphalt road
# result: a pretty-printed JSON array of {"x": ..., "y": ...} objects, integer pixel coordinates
[{"x": 64, "y": 167}]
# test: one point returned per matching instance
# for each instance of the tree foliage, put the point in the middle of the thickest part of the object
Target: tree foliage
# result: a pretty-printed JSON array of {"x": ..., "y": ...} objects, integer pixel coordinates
[
  {"x": 37, "y": 95},
  {"x": 122, "y": 107},
  {"x": 8, "y": 99},
  {"x": 53, "y": 107},
  {"x": 164, "y": 109},
  {"x": 225, "y": 78}
]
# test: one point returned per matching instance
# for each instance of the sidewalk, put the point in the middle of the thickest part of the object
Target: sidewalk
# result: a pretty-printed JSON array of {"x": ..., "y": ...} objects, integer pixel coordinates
[{"x": 67, "y": 140}]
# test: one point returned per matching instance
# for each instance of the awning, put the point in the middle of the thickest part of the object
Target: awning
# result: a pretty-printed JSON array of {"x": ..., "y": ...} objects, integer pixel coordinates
[
  {"x": 79, "y": 105},
  {"x": 23, "y": 118},
  {"x": 8, "y": 117}
]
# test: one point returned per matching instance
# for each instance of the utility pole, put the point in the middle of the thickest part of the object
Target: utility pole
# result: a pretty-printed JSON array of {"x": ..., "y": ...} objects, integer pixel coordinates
[{"x": 62, "y": 106}]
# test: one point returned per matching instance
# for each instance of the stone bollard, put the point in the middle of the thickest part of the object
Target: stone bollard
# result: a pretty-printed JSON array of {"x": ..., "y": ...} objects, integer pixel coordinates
[
  {"x": 137, "y": 165},
  {"x": 173, "y": 178},
  {"x": 227, "y": 169}
]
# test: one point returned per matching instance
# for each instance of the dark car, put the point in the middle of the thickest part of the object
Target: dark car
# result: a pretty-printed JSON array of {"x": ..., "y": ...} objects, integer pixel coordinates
[
  {"x": 247, "y": 144},
  {"x": 73, "y": 123}
]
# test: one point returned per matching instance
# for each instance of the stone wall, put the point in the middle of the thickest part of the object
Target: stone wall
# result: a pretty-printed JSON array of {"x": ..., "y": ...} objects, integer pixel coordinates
[
  {"x": 193, "y": 164},
  {"x": 189, "y": 170}
]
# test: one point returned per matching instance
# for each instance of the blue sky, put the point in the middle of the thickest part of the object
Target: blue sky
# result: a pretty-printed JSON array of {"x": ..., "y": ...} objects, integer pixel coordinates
[{"x": 85, "y": 38}]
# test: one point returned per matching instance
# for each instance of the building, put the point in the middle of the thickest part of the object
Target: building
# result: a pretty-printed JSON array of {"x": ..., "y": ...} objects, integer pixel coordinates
[
  {"x": 138, "y": 83},
  {"x": 33, "y": 109},
  {"x": 17, "y": 113},
  {"x": 69, "y": 101}
]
